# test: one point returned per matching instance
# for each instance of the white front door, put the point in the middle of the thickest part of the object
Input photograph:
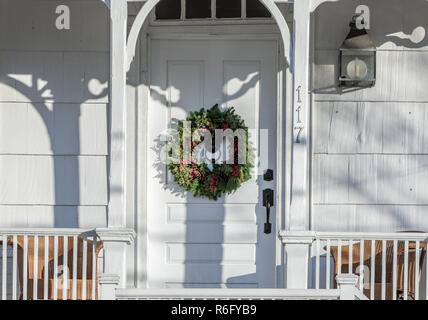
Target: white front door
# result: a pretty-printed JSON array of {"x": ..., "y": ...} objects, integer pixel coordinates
[{"x": 198, "y": 243}]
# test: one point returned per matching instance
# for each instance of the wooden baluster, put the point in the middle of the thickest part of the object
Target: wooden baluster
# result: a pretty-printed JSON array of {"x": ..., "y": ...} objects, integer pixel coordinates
[
  {"x": 4, "y": 268},
  {"x": 327, "y": 276},
  {"x": 46, "y": 271},
  {"x": 75, "y": 249},
  {"x": 406, "y": 268},
  {"x": 372, "y": 271},
  {"x": 383, "y": 270},
  {"x": 65, "y": 269},
  {"x": 15, "y": 268},
  {"x": 394, "y": 272},
  {"x": 25, "y": 269},
  {"x": 94, "y": 267},
  {"x": 362, "y": 265},
  {"x": 55, "y": 270},
  {"x": 35, "y": 265},
  {"x": 350, "y": 253},
  {"x": 317, "y": 264},
  {"x": 417, "y": 249},
  {"x": 84, "y": 266},
  {"x": 339, "y": 256}
]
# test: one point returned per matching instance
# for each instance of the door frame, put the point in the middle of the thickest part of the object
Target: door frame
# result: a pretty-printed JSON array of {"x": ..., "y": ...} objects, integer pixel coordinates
[{"x": 284, "y": 129}]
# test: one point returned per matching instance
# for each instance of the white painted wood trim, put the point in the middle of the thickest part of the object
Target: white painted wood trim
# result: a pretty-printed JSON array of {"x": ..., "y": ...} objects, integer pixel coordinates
[
  {"x": 150, "y": 4},
  {"x": 283, "y": 27},
  {"x": 116, "y": 235},
  {"x": 308, "y": 237},
  {"x": 117, "y": 207},
  {"x": 141, "y": 169},
  {"x": 282, "y": 151},
  {"x": 212, "y": 22},
  {"x": 372, "y": 236},
  {"x": 286, "y": 294},
  {"x": 283, "y": 89},
  {"x": 107, "y": 286},
  {"x": 167, "y": 34},
  {"x": 299, "y": 211},
  {"x": 46, "y": 231},
  {"x": 347, "y": 286}
]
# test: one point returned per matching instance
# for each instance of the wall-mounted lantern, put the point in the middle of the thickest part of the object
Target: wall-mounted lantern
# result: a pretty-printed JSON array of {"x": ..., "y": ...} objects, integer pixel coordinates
[{"x": 357, "y": 59}]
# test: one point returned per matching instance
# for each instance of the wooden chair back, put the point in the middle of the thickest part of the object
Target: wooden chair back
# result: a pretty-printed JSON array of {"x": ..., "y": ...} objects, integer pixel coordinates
[{"x": 62, "y": 275}]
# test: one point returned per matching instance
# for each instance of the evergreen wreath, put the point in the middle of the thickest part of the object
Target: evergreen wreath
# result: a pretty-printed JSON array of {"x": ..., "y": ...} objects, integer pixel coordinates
[{"x": 212, "y": 180}]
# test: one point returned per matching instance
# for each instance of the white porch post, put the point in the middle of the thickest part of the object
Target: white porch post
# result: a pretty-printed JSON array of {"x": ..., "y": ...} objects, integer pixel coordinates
[
  {"x": 347, "y": 286},
  {"x": 114, "y": 273},
  {"x": 116, "y": 207},
  {"x": 297, "y": 252},
  {"x": 108, "y": 284},
  {"x": 114, "y": 246}
]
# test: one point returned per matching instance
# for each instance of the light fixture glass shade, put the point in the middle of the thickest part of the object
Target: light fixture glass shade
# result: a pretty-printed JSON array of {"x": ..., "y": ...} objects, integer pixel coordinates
[{"x": 357, "y": 59}]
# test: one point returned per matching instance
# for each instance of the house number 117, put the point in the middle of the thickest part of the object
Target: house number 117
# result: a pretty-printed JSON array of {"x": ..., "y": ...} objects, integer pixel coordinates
[{"x": 299, "y": 125}]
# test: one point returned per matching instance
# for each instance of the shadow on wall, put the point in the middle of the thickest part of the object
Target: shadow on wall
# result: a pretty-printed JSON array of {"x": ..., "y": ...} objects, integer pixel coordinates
[
  {"x": 51, "y": 90},
  {"x": 370, "y": 163}
]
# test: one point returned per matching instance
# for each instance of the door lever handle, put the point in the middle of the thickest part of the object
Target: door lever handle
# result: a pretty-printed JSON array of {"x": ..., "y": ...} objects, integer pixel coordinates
[
  {"x": 268, "y": 225},
  {"x": 268, "y": 203}
]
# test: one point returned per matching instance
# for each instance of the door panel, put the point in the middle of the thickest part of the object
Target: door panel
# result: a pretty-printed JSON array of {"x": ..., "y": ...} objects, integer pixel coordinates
[{"x": 194, "y": 242}]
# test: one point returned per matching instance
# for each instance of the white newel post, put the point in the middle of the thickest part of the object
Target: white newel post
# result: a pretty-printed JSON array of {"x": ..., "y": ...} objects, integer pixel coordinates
[
  {"x": 297, "y": 247},
  {"x": 114, "y": 273},
  {"x": 108, "y": 283},
  {"x": 346, "y": 283}
]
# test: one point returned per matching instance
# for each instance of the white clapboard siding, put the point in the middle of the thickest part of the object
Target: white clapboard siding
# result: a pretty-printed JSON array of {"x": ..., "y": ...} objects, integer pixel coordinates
[
  {"x": 31, "y": 25},
  {"x": 391, "y": 23},
  {"x": 63, "y": 129},
  {"x": 369, "y": 145},
  {"x": 370, "y": 218},
  {"x": 371, "y": 127},
  {"x": 57, "y": 180},
  {"x": 39, "y": 76},
  {"x": 370, "y": 179},
  {"x": 53, "y": 114},
  {"x": 399, "y": 77},
  {"x": 30, "y": 216}
]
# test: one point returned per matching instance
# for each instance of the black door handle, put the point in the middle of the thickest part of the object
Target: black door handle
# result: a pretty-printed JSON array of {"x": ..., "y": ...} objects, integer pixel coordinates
[{"x": 268, "y": 203}]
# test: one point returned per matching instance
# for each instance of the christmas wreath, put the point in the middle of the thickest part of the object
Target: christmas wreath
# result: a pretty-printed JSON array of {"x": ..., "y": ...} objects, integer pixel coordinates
[{"x": 212, "y": 177}]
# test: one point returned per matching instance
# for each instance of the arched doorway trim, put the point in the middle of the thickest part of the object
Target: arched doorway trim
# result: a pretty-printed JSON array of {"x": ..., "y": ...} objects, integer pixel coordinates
[{"x": 150, "y": 4}]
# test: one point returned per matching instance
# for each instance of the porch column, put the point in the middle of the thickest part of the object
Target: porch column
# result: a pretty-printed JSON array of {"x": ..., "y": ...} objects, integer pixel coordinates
[
  {"x": 297, "y": 249},
  {"x": 118, "y": 25},
  {"x": 297, "y": 246},
  {"x": 114, "y": 267},
  {"x": 115, "y": 237}
]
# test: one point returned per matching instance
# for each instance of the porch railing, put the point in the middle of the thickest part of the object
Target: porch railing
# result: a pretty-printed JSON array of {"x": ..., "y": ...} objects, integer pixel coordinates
[
  {"x": 346, "y": 291},
  {"x": 55, "y": 264},
  {"x": 389, "y": 266}
]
